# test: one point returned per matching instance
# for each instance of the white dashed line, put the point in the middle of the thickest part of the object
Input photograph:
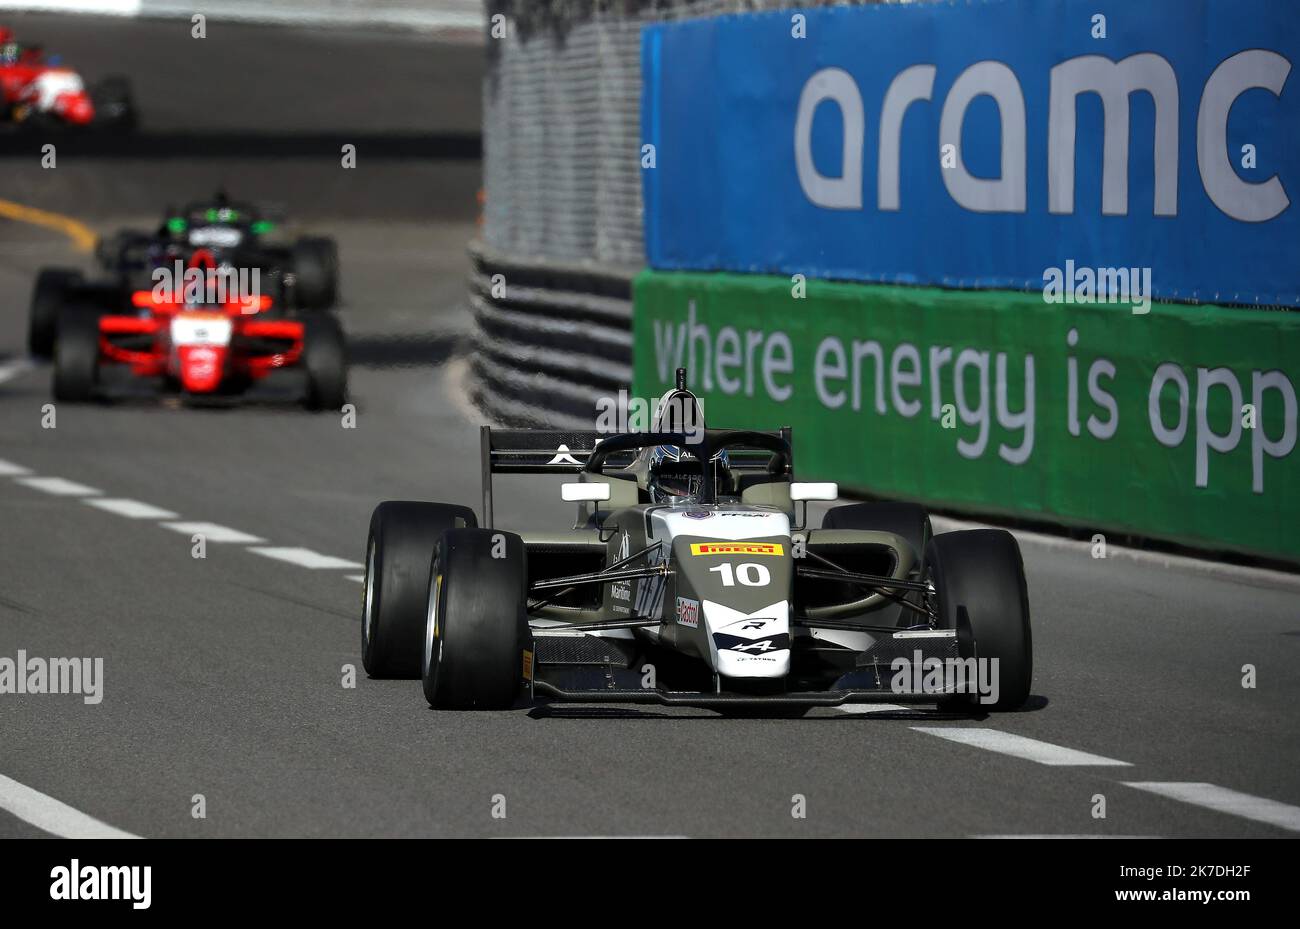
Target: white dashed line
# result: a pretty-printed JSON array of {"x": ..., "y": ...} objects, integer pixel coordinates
[
  {"x": 58, "y": 486},
  {"x": 306, "y": 558},
  {"x": 9, "y": 469},
  {"x": 359, "y": 578},
  {"x": 873, "y": 708},
  {"x": 1019, "y": 746},
  {"x": 53, "y": 816},
  {"x": 131, "y": 509},
  {"x": 11, "y": 369},
  {"x": 1223, "y": 800},
  {"x": 214, "y": 533}
]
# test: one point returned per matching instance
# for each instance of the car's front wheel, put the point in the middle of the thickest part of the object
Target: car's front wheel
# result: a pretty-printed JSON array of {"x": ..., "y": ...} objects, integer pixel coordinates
[
  {"x": 980, "y": 590},
  {"x": 76, "y": 356},
  {"x": 476, "y": 630},
  {"x": 324, "y": 358},
  {"x": 399, "y": 551}
]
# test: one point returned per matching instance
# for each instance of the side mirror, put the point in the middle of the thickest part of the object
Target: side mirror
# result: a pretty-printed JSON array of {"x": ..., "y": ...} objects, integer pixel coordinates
[
  {"x": 826, "y": 491},
  {"x": 583, "y": 493}
]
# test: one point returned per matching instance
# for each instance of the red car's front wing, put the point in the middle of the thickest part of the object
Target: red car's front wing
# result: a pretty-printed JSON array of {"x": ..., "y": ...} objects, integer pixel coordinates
[{"x": 242, "y": 360}]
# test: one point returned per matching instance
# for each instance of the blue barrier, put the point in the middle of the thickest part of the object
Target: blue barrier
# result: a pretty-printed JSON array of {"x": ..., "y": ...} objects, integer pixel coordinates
[{"x": 968, "y": 145}]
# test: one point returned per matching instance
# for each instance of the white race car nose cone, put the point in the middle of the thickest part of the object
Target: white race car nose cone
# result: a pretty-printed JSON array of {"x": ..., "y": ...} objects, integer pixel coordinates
[{"x": 754, "y": 645}]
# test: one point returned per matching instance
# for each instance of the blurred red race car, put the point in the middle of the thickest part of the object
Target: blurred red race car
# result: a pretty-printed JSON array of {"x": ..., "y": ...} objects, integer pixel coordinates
[
  {"x": 207, "y": 342},
  {"x": 37, "y": 90}
]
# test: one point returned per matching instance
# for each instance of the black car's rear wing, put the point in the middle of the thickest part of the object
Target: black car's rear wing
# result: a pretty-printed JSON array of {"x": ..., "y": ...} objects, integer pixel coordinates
[
  {"x": 534, "y": 451},
  {"x": 556, "y": 451}
]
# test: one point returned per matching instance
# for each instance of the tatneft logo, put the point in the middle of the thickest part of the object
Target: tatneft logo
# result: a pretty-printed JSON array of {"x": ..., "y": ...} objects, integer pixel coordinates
[
  {"x": 103, "y": 882},
  {"x": 1115, "y": 82},
  {"x": 53, "y": 676},
  {"x": 737, "y": 548},
  {"x": 933, "y": 675}
]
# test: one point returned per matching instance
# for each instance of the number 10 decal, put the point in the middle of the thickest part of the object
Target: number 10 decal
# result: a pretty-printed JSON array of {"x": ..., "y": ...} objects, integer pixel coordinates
[{"x": 750, "y": 574}]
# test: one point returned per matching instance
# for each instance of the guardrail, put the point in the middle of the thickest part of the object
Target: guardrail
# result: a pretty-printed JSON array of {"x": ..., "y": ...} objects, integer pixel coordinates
[{"x": 551, "y": 339}]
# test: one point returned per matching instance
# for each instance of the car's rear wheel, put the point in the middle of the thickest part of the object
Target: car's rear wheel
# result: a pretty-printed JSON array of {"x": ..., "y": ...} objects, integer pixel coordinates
[
  {"x": 980, "y": 590},
  {"x": 48, "y": 298},
  {"x": 76, "y": 356},
  {"x": 399, "y": 551},
  {"x": 324, "y": 359},
  {"x": 114, "y": 106},
  {"x": 316, "y": 272},
  {"x": 476, "y": 630}
]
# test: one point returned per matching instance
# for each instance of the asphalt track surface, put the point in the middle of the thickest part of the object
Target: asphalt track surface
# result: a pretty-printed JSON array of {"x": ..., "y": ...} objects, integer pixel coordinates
[{"x": 223, "y": 675}]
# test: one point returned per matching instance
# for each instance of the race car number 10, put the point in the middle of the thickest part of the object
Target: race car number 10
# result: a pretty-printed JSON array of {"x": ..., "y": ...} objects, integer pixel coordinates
[{"x": 750, "y": 574}]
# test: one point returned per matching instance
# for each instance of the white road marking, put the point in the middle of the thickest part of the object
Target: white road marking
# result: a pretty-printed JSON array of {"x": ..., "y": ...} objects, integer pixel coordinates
[
  {"x": 306, "y": 558},
  {"x": 359, "y": 578},
  {"x": 872, "y": 708},
  {"x": 9, "y": 469},
  {"x": 1223, "y": 800},
  {"x": 11, "y": 369},
  {"x": 1019, "y": 746},
  {"x": 215, "y": 533},
  {"x": 98, "y": 7},
  {"x": 58, "y": 486},
  {"x": 53, "y": 816},
  {"x": 131, "y": 509}
]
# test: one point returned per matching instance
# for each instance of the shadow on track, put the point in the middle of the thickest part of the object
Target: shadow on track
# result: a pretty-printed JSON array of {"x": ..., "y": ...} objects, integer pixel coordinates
[
  {"x": 402, "y": 351},
  {"x": 453, "y": 146}
]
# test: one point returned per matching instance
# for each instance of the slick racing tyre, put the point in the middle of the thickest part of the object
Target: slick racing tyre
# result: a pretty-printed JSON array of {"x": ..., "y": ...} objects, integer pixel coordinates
[
  {"x": 979, "y": 584},
  {"x": 395, "y": 591},
  {"x": 114, "y": 108},
  {"x": 48, "y": 298},
  {"x": 316, "y": 272},
  {"x": 76, "y": 357},
  {"x": 325, "y": 361},
  {"x": 477, "y": 626},
  {"x": 908, "y": 520}
]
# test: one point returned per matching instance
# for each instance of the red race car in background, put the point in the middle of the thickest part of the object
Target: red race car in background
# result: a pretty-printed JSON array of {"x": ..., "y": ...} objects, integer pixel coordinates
[
  {"x": 37, "y": 90},
  {"x": 200, "y": 345}
]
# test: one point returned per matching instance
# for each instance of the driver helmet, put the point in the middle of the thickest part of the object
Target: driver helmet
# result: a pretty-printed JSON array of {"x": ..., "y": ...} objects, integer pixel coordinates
[{"x": 675, "y": 476}]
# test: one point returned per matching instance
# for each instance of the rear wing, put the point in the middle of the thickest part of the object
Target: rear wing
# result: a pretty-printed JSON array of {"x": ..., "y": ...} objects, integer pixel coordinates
[
  {"x": 557, "y": 451},
  {"x": 535, "y": 451}
]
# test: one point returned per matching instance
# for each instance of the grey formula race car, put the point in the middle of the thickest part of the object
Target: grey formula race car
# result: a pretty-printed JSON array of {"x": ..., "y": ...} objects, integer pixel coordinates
[{"x": 690, "y": 578}]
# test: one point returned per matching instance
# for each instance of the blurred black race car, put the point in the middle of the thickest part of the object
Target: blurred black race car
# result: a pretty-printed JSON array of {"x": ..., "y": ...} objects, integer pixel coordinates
[{"x": 299, "y": 275}]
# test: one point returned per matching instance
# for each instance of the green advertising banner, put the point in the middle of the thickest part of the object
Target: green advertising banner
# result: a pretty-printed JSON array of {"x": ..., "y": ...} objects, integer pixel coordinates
[{"x": 1166, "y": 421}]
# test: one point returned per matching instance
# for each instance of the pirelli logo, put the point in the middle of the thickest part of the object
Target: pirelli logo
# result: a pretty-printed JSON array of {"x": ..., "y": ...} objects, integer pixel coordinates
[{"x": 737, "y": 548}]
